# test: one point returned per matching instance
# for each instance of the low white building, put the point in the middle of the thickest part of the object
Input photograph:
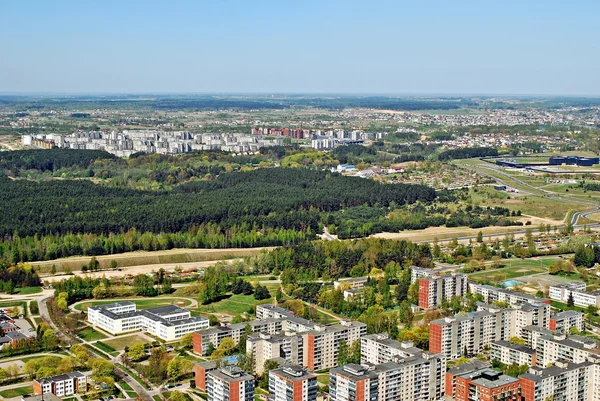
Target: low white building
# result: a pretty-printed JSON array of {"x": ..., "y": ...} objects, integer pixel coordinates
[
  {"x": 166, "y": 322},
  {"x": 562, "y": 292}
]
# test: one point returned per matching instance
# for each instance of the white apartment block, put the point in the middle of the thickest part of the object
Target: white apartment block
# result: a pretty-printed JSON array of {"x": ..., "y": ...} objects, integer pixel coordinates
[
  {"x": 292, "y": 383},
  {"x": 509, "y": 353},
  {"x": 572, "y": 348},
  {"x": 262, "y": 347},
  {"x": 564, "y": 381},
  {"x": 494, "y": 294},
  {"x": 379, "y": 348},
  {"x": 581, "y": 298},
  {"x": 229, "y": 384},
  {"x": 321, "y": 345},
  {"x": 563, "y": 322},
  {"x": 353, "y": 383},
  {"x": 471, "y": 332},
  {"x": 420, "y": 378},
  {"x": 168, "y": 323}
]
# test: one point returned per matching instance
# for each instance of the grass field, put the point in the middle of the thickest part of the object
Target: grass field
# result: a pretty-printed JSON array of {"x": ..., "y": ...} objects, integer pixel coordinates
[
  {"x": 28, "y": 290},
  {"x": 142, "y": 303},
  {"x": 233, "y": 305},
  {"x": 323, "y": 318},
  {"x": 148, "y": 258},
  {"x": 16, "y": 392},
  {"x": 106, "y": 348},
  {"x": 121, "y": 342},
  {"x": 507, "y": 273},
  {"x": 89, "y": 334}
]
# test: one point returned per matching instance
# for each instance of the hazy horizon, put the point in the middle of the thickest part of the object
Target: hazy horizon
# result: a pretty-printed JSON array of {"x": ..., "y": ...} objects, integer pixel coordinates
[{"x": 387, "y": 48}]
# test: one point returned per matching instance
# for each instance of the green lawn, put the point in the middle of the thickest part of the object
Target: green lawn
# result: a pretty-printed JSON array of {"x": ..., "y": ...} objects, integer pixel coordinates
[
  {"x": 34, "y": 307},
  {"x": 70, "y": 399},
  {"x": 89, "y": 334},
  {"x": 125, "y": 386},
  {"x": 235, "y": 304},
  {"x": 120, "y": 343},
  {"x": 507, "y": 273},
  {"x": 323, "y": 318},
  {"x": 106, "y": 348},
  {"x": 142, "y": 303},
  {"x": 28, "y": 290},
  {"x": 323, "y": 378},
  {"x": 156, "y": 397},
  {"x": 17, "y": 392},
  {"x": 8, "y": 304}
]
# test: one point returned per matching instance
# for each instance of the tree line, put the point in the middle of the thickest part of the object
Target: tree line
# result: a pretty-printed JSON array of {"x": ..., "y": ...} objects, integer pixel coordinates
[{"x": 467, "y": 153}]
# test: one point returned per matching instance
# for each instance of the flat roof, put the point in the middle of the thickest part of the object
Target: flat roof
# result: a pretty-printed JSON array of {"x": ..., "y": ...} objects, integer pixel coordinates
[
  {"x": 231, "y": 374},
  {"x": 293, "y": 372},
  {"x": 354, "y": 372},
  {"x": 567, "y": 314},
  {"x": 516, "y": 347}
]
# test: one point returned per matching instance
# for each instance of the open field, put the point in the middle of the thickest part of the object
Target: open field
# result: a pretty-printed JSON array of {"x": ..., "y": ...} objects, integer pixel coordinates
[
  {"x": 89, "y": 334},
  {"x": 17, "y": 392},
  {"x": 126, "y": 341},
  {"x": 143, "y": 258},
  {"x": 142, "y": 303},
  {"x": 28, "y": 290},
  {"x": 445, "y": 233},
  {"x": 232, "y": 305},
  {"x": 507, "y": 273}
]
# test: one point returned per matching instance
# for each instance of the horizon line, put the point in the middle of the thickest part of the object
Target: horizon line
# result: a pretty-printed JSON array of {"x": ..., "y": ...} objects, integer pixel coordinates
[{"x": 284, "y": 93}]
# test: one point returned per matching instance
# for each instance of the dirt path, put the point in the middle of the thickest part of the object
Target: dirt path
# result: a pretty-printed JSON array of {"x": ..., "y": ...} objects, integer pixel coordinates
[{"x": 141, "y": 269}]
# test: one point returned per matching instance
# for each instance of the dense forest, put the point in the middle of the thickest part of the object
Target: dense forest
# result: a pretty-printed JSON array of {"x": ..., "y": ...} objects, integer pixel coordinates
[
  {"x": 44, "y": 220},
  {"x": 467, "y": 153},
  {"x": 50, "y": 159}
]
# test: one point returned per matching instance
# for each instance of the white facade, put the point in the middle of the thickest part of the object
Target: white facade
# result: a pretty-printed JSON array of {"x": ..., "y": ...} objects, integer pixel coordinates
[
  {"x": 581, "y": 298},
  {"x": 169, "y": 323}
]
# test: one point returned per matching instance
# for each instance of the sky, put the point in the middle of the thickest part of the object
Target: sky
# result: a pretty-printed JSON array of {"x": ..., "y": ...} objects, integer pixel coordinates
[{"x": 286, "y": 46}]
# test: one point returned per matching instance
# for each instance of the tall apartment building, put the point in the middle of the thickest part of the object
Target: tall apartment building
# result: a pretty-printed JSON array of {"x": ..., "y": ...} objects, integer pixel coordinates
[
  {"x": 292, "y": 322},
  {"x": 493, "y": 294},
  {"x": 568, "y": 348},
  {"x": 420, "y": 377},
  {"x": 509, "y": 353},
  {"x": 268, "y": 325},
  {"x": 263, "y": 347},
  {"x": 201, "y": 372},
  {"x": 353, "y": 383},
  {"x": 564, "y": 381},
  {"x": 531, "y": 335},
  {"x": 379, "y": 348},
  {"x": 434, "y": 289},
  {"x": 471, "y": 332},
  {"x": 61, "y": 385},
  {"x": 292, "y": 383},
  {"x": 563, "y": 322},
  {"x": 229, "y": 384},
  {"x": 321, "y": 345}
]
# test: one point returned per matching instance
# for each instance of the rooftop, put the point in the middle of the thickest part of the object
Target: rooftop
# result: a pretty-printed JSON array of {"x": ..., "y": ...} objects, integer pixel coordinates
[
  {"x": 58, "y": 378},
  {"x": 516, "y": 347},
  {"x": 231, "y": 374},
  {"x": 293, "y": 373},
  {"x": 354, "y": 372}
]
